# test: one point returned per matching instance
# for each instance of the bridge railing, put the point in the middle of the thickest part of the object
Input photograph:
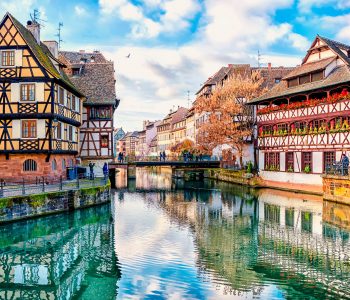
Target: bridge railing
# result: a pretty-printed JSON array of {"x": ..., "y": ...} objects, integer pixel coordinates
[{"x": 168, "y": 158}]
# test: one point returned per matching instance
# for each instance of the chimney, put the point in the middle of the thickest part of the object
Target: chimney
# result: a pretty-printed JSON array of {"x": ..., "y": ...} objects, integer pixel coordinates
[
  {"x": 269, "y": 66},
  {"x": 34, "y": 28},
  {"x": 53, "y": 47}
]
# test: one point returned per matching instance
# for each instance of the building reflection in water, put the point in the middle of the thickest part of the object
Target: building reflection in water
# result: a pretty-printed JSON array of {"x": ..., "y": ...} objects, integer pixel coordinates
[
  {"x": 60, "y": 257},
  {"x": 248, "y": 241}
]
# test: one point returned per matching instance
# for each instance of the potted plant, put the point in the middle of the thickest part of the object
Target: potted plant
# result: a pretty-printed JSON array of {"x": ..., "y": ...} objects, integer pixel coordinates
[
  {"x": 290, "y": 169},
  {"x": 307, "y": 169}
]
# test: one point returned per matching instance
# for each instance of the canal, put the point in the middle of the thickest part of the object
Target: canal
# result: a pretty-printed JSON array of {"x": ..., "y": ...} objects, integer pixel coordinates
[{"x": 168, "y": 239}]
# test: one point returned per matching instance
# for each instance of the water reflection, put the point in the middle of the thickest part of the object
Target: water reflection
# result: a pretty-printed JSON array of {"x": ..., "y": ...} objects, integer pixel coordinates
[
  {"x": 63, "y": 256},
  {"x": 215, "y": 240}
]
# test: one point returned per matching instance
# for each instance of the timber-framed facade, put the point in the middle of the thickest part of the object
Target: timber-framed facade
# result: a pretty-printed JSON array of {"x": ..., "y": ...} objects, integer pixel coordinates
[
  {"x": 303, "y": 123},
  {"x": 40, "y": 109},
  {"x": 93, "y": 74}
]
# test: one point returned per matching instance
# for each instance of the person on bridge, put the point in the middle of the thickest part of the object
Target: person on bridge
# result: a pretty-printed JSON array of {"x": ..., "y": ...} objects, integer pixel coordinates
[
  {"x": 164, "y": 155},
  {"x": 91, "y": 166},
  {"x": 160, "y": 156},
  {"x": 105, "y": 170}
]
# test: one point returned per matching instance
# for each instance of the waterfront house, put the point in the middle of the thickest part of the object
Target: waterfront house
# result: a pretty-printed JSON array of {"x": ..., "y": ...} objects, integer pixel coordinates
[
  {"x": 130, "y": 139},
  {"x": 271, "y": 76},
  {"x": 141, "y": 145},
  {"x": 303, "y": 122},
  {"x": 117, "y": 135},
  {"x": 191, "y": 125},
  {"x": 40, "y": 111},
  {"x": 93, "y": 74},
  {"x": 166, "y": 129}
]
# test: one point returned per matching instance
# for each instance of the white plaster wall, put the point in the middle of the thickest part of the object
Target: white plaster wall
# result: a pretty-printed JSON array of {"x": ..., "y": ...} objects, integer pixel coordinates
[
  {"x": 261, "y": 163},
  {"x": 18, "y": 58},
  {"x": 317, "y": 162},
  {"x": 16, "y": 129},
  {"x": 298, "y": 178},
  {"x": 41, "y": 129},
  {"x": 297, "y": 161},
  {"x": 283, "y": 161}
]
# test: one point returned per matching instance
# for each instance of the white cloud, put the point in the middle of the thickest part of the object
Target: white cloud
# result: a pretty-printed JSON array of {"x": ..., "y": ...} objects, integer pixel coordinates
[
  {"x": 306, "y": 6},
  {"x": 80, "y": 10},
  {"x": 175, "y": 15},
  {"x": 339, "y": 24},
  {"x": 298, "y": 41}
]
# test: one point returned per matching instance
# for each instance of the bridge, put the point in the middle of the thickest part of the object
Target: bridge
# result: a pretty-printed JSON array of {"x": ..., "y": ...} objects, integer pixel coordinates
[
  {"x": 170, "y": 163},
  {"x": 173, "y": 164}
]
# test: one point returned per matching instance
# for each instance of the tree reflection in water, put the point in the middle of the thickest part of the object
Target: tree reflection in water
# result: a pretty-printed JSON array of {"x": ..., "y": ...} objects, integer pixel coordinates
[
  {"x": 60, "y": 257},
  {"x": 248, "y": 241}
]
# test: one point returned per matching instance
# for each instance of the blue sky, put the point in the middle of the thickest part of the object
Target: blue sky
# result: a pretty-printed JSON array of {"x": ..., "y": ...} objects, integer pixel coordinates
[{"x": 176, "y": 45}]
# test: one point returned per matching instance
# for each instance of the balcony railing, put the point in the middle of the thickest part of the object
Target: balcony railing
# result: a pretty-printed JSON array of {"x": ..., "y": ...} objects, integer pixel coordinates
[
  {"x": 305, "y": 140},
  {"x": 302, "y": 112}
]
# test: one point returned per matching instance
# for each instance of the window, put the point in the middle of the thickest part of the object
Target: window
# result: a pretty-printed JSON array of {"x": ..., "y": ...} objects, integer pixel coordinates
[
  {"x": 328, "y": 159},
  {"x": 59, "y": 130},
  {"x": 29, "y": 129},
  {"x": 304, "y": 79},
  {"x": 27, "y": 92},
  {"x": 30, "y": 165},
  {"x": 69, "y": 100},
  {"x": 63, "y": 164},
  {"x": 104, "y": 140},
  {"x": 61, "y": 96},
  {"x": 76, "y": 71},
  {"x": 317, "y": 76},
  {"x": 73, "y": 102},
  {"x": 8, "y": 58},
  {"x": 277, "y": 80},
  {"x": 290, "y": 161},
  {"x": 54, "y": 165},
  {"x": 289, "y": 217},
  {"x": 70, "y": 133},
  {"x": 282, "y": 127},
  {"x": 306, "y": 221},
  {"x": 306, "y": 159},
  {"x": 100, "y": 113},
  {"x": 293, "y": 82},
  {"x": 318, "y": 123},
  {"x": 300, "y": 125},
  {"x": 272, "y": 161}
]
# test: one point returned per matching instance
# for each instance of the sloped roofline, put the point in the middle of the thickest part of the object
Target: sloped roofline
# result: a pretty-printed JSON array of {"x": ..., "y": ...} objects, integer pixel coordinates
[{"x": 52, "y": 70}]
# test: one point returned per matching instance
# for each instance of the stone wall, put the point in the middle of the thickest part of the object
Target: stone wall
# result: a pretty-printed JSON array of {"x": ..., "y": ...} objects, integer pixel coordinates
[
  {"x": 12, "y": 169},
  {"x": 23, "y": 207},
  {"x": 238, "y": 177},
  {"x": 336, "y": 188}
]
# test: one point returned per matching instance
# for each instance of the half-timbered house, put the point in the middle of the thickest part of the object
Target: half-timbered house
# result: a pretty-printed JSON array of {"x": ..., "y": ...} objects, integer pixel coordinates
[
  {"x": 93, "y": 74},
  {"x": 40, "y": 111},
  {"x": 303, "y": 122}
]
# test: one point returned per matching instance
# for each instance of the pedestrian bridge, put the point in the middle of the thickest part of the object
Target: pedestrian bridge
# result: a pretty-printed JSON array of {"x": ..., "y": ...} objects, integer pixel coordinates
[{"x": 176, "y": 164}]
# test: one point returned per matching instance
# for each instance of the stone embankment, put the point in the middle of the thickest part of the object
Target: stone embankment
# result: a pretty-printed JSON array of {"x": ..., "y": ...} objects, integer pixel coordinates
[{"x": 29, "y": 206}]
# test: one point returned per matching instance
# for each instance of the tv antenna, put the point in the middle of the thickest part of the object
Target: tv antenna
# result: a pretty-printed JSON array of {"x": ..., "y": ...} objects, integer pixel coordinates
[
  {"x": 59, "y": 29},
  {"x": 35, "y": 16},
  {"x": 188, "y": 99},
  {"x": 259, "y": 59}
]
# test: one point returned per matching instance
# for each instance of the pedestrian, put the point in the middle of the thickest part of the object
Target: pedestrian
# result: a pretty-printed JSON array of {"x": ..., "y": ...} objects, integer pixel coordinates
[
  {"x": 91, "y": 166},
  {"x": 160, "y": 156},
  {"x": 105, "y": 170},
  {"x": 119, "y": 157},
  {"x": 122, "y": 157},
  {"x": 200, "y": 156},
  {"x": 164, "y": 155}
]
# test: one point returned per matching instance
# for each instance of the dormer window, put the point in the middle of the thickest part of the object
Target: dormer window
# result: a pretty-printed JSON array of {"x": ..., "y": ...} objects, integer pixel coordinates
[
  {"x": 76, "y": 71},
  {"x": 8, "y": 58},
  {"x": 278, "y": 80}
]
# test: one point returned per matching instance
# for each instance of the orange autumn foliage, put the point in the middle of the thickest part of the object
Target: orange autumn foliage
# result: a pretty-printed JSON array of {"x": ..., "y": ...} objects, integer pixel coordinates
[{"x": 228, "y": 119}]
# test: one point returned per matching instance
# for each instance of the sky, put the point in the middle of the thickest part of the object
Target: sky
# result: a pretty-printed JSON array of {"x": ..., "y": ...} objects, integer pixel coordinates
[{"x": 175, "y": 45}]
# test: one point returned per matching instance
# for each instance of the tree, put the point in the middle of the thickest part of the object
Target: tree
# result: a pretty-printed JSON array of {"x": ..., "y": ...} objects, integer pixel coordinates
[
  {"x": 227, "y": 118},
  {"x": 186, "y": 145}
]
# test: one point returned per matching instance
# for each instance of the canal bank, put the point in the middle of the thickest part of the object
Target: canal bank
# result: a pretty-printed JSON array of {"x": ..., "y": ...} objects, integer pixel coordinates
[{"x": 21, "y": 207}]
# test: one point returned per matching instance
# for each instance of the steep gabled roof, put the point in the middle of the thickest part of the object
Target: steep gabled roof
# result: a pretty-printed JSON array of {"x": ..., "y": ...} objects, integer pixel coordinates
[
  {"x": 96, "y": 79},
  {"x": 310, "y": 67},
  {"x": 339, "y": 75},
  {"x": 41, "y": 52}
]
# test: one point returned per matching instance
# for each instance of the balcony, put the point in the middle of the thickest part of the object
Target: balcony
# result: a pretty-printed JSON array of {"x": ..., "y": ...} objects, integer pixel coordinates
[
  {"x": 311, "y": 108},
  {"x": 306, "y": 141}
]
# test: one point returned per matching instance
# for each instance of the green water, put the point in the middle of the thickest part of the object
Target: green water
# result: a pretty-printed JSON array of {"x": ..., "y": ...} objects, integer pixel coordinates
[{"x": 166, "y": 239}]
